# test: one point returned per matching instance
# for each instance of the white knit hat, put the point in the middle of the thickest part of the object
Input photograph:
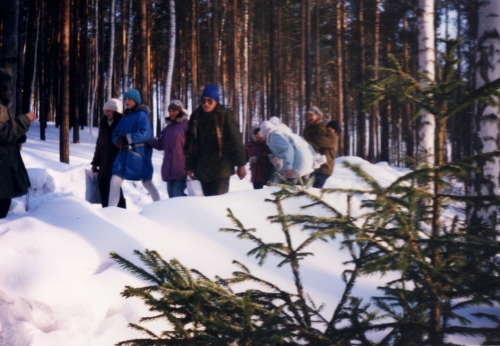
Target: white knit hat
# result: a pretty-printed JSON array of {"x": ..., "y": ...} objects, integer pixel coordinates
[
  {"x": 114, "y": 105},
  {"x": 265, "y": 127},
  {"x": 275, "y": 120}
]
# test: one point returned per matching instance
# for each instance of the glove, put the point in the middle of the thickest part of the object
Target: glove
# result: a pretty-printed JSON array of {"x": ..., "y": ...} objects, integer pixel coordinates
[
  {"x": 95, "y": 169},
  {"x": 122, "y": 142},
  {"x": 253, "y": 159},
  {"x": 278, "y": 163}
]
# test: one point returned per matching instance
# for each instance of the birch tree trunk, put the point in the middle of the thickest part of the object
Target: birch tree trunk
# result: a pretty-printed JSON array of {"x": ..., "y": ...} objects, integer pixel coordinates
[
  {"x": 109, "y": 77},
  {"x": 486, "y": 137},
  {"x": 171, "y": 58},
  {"x": 426, "y": 65}
]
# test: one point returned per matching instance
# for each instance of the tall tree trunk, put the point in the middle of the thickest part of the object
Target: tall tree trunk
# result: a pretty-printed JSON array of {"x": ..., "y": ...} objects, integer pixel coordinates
[
  {"x": 244, "y": 77},
  {"x": 317, "y": 51},
  {"x": 128, "y": 54},
  {"x": 10, "y": 20},
  {"x": 236, "y": 59},
  {"x": 303, "y": 52},
  {"x": 361, "y": 119},
  {"x": 171, "y": 57},
  {"x": 407, "y": 116},
  {"x": 64, "y": 89},
  {"x": 486, "y": 122},
  {"x": 75, "y": 82},
  {"x": 96, "y": 67},
  {"x": 143, "y": 54},
  {"x": 373, "y": 144},
  {"x": 272, "y": 59},
  {"x": 427, "y": 65},
  {"x": 109, "y": 76},
  {"x": 308, "y": 55},
  {"x": 340, "y": 74},
  {"x": 194, "y": 55},
  {"x": 347, "y": 96}
]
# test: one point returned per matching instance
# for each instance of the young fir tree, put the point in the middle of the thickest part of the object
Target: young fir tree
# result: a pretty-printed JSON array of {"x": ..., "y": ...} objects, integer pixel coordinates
[{"x": 444, "y": 266}]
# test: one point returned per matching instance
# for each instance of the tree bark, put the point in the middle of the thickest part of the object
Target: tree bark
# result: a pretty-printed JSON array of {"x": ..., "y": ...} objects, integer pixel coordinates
[
  {"x": 486, "y": 122},
  {"x": 427, "y": 65},
  {"x": 373, "y": 144},
  {"x": 109, "y": 77},
  {"x": 171, "y": 57},
  {"x": 340, "y": 74},
  {"x": 64, "y": 130},
  {"x": 10, "y": 20},
  {"x": 361, "y": 119}
]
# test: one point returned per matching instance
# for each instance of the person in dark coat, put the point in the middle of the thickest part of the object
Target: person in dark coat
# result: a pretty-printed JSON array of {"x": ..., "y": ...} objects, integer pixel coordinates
[
  {"x": 106, "y": 151},
  {"x": 258, "y": 156},
  {"x": 172, "y": 140},
  {"x": 14, "y": 180},
  {"x": 134, "y": 159},
  {"x": 214, "y": 145},
  {"x": 315, "y": 133}
]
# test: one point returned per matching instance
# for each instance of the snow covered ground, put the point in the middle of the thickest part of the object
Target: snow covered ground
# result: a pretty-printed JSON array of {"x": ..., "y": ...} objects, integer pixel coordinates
[{"x": 58, "y": 286}]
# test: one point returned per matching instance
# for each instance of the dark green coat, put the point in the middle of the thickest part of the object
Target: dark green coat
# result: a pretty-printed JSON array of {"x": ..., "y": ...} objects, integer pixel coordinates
[
  {"x": 14, "y": 180},
  {"x": 323, "y": 143},
  {"x": 213, "y": 144}
]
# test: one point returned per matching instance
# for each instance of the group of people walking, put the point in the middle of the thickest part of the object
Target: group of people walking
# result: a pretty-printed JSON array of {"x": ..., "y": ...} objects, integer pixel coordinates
[{"x": 205, "y": 146}]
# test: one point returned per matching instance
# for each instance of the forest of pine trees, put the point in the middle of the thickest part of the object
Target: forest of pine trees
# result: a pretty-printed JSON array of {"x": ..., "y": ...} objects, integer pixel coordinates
[{"x": 270, "y": 58}]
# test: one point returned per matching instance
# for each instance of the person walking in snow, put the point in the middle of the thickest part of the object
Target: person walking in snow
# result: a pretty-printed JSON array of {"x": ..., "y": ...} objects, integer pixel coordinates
[
  {"x": 214, "y": 145},
  {"x": 172, "y": 140},
  {"x": 292, "y": 156},
  {"x": 133, "y": 161},
  {"x": 106, "y": 151},
  {"x": 258, "y": 156},
  {"x": 14, "y": 180},
  {"x": 317, "y": 136}
]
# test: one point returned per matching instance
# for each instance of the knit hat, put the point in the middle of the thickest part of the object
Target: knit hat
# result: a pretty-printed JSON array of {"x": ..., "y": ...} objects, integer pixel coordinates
[
  {"x": 133, "y": 95},
  {"x": 275, "y": 120},
  {"x": 265, "y": 127},
  {"x": 177, "y": 104},
  {"x": 211, "y": 91},
  {"x": 315, "y": 110},
  {"x": 114, "y": 105}
]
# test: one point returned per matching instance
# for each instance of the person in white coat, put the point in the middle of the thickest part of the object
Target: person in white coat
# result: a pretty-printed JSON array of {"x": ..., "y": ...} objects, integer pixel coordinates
[{"x": 292, "y": 155}]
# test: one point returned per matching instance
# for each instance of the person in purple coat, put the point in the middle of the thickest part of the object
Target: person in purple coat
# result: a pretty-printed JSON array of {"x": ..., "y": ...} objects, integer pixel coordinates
[{"x": 171, "y": 141}]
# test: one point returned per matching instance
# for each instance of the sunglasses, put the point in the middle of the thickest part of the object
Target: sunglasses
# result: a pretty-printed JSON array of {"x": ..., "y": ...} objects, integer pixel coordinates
[{"x": 207, "y": 100}]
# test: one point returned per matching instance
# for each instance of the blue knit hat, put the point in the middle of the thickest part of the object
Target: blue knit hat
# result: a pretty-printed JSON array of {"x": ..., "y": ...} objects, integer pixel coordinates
[
  {"x": 133, "y": 95},
  {"x": 211, "y": 91}
]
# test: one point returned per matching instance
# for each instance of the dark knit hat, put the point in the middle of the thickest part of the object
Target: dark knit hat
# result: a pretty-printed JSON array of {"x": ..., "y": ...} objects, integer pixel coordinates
[
  {"x": 334, "y": 125},
  {"x": 211, "y": 91},
  {"x": 133, "y": 95}
]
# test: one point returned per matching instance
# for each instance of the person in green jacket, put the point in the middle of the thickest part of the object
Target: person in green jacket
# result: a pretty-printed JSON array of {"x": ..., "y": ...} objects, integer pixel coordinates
[
  {"x": 323, "y": 142},
  {"x": 14, "y": 180},
  {"x": 214, "y": 145}
]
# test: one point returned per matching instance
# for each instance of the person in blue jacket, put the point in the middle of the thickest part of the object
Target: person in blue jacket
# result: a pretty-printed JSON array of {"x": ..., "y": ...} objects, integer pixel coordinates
[
  {"x": 292, "y": 155},
  {"x": 133, "y": 161}
]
